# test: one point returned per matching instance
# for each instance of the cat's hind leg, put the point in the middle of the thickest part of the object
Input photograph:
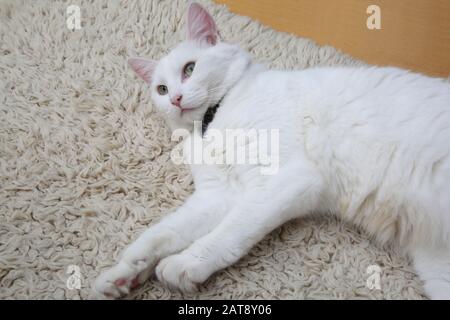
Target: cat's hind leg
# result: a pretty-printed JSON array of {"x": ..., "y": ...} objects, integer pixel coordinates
[{"x": 433, "y": 267}]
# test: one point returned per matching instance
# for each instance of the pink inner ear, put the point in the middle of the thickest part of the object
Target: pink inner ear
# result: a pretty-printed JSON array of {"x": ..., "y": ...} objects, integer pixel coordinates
[
  {"x": 144, "y": 68},
  {"x": 200, "y": 25}
]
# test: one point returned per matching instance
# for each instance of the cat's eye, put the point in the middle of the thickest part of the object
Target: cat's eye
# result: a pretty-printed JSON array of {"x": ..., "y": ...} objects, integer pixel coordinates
[
  {"x": 162, "y": 89},
  {"x": 188, "y": 69}
]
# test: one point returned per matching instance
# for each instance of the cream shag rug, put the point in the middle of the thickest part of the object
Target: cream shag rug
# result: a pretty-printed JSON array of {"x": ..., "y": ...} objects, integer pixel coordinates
[{"x": 85, "y": 168}]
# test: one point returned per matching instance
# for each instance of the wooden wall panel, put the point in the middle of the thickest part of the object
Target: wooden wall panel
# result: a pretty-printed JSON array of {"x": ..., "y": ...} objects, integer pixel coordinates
[{"x": 414, "y": 34}]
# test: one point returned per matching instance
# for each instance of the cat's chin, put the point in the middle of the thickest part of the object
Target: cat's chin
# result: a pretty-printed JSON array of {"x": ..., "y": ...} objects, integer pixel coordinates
[
  {"x": 186, "y": 120},
  {"x": 185, "y": 111},
  {"x": 192, "y": 114}
]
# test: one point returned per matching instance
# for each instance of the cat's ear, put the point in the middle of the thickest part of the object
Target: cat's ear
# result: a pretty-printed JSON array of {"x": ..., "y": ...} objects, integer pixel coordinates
[
  {"x": 200, "y": 25},
  {"x": 144, "y": 68}
]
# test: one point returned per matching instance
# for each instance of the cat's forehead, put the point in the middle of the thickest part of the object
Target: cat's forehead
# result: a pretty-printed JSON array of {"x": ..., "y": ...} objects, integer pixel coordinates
[
  {"x": 176, "y": 59},
  {"x": 184, "y": 52}
]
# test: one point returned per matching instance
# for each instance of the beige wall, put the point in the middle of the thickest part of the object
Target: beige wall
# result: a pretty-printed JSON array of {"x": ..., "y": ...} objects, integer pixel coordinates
[{"x": 415, "y": 34}]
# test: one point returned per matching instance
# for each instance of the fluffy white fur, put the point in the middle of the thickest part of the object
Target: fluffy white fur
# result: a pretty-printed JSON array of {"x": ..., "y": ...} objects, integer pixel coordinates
[{"x": 371, "y": 145}]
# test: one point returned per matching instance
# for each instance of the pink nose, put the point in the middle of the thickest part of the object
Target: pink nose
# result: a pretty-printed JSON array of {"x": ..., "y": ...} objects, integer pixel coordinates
[{"x": 176, "y": 101}]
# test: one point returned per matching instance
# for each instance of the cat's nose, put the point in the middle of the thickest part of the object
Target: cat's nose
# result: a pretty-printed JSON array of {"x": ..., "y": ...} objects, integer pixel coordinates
[{"x": 176, "y": 100}]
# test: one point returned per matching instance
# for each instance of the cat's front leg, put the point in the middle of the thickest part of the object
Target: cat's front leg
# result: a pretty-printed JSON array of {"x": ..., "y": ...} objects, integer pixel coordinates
[
  {"x": 286, "y": 196},
  {"x": 196, "y": 217}
]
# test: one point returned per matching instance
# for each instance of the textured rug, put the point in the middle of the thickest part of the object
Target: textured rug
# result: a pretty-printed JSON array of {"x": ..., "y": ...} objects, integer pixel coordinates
[{"x": 85, "y": 168}]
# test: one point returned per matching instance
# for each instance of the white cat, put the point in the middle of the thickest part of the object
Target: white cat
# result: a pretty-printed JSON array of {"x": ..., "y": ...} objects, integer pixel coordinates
[{"x": 371, "y": 145}]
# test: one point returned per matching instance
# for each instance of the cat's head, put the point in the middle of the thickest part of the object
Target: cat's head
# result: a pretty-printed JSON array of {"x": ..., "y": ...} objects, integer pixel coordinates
[{"x": 196, "y": 74}]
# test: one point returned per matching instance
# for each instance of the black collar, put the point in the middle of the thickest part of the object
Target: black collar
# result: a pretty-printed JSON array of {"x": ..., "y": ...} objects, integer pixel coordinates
[{"x": 209, "y": 116}]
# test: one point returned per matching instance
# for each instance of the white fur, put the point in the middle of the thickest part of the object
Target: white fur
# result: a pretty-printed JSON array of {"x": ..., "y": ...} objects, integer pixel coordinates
[{"x": 371, "y": 145}]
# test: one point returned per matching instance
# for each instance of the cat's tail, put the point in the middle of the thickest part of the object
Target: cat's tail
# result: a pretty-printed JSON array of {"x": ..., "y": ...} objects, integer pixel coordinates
[{"x": 433, "y": 267}]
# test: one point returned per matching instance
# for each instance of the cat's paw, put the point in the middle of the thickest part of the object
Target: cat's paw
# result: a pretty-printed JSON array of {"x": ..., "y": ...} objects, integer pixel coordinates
[
  {"x": 181, "y": 271},
  {"x": 115, "y": 282},
  {"x": 132, "y": 270}
]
